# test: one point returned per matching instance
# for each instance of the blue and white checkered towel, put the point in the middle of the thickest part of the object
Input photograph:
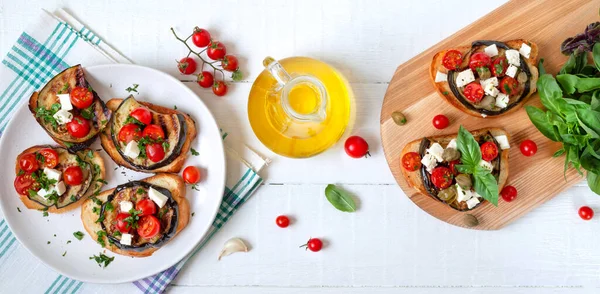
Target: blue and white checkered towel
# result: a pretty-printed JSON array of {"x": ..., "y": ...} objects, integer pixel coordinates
[{"x": 57, "y": 41}]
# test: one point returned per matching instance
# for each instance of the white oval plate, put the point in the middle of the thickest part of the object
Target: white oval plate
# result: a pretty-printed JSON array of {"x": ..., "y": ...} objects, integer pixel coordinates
[{"x": 34, "y": 231}]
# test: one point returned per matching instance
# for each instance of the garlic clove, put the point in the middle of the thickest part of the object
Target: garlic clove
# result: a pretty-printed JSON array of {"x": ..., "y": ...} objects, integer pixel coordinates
[{"x": 233, "y": 245}]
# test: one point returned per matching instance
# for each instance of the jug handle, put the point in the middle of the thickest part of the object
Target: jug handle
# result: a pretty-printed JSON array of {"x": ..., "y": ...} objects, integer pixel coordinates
[{"x": 277, "y": 71}]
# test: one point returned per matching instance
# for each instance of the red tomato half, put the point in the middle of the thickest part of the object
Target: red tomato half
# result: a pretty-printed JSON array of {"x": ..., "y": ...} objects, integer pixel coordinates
[
  {"x": 122, "y": 225},
  {"x": 155, "y": 132},
  {"x": 81, "y": 97},
  {"x": 442, "y": 177},
  {"x": 452, "y": 165},
  {"x": 479, "y": 59},
  {"x": 73, "y": 175},
  {"x": 50, "y": 157},
  {"x": 155, "y": 152},
  {"x": 452, "y": 59},
  {"x": 142, "y": 114},
  {"x": 148, "y": 226},
  {"x": 411, "y": 161},
  {"x": 79, "y": 127},
  {"x": 130, "y": 132},
  {"x": 23, "y": 183},
  {"x": 474, "y": 92},
  {"x": 499, "y": 66},
  {"x": 489, "y": 151},
  {"x": 28, "y": 163},
  {"x": 146, "y": 206},
  {"x": 509, "y": 86}
]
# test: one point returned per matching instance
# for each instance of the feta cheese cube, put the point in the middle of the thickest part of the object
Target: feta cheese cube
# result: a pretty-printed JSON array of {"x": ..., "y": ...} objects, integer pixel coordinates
[
  {"x": 440, "y": 77},
  {"x": 132, "y": 150},
  {"x": 486, "y": 164},
  {"x": 483, "y": 115},
  {"x": 63, "y": 116},
  {"x": 158, "y": 198},
  {"x": 525, "y": 50},
  {"x": 60, "y": 188},
  {"x": 503, "y": 141},
  {"x": 436, "y": 150},
  {"x": 491, "y": 50},
  {"x": 52, "y": 174},
  {"x": 45, "y": 193},
  {"x": 429, "y": 162},
  {"x": 491, "y": 90},
  {"x": 502, "y": 100},
  {"x": 452, "y": 144},
  {"x": 464, "y": 77},
  {"x": 472, "y": 202},
  {"x": 125, "y": 206},
  {"x": 463, "y": 195},
  {"x": 126, "y": 239},
  {"x": 511, "y": 71},
  {"x": 513, "y": 57},
  {"x": 493, "y": 81},
  {"x": 65, "y": 101}
]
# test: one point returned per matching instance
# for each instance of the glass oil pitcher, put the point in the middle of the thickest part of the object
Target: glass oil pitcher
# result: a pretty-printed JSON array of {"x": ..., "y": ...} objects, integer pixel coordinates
[{"x": 298, "y": 107}]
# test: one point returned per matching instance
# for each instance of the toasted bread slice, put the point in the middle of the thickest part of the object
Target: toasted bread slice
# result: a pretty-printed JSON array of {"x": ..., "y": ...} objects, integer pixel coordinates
[
  {"x": 415, "y": 178},
  {"x": 95, "y": 167},
  {"x": 173, "y": 166},
  {"x": 445, "y": 91},
  {"x": 171, "y": 182}
]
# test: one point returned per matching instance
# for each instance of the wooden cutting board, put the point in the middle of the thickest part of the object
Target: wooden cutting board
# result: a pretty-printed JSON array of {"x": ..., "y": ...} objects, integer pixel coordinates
[{"x": 537, "y": 178}]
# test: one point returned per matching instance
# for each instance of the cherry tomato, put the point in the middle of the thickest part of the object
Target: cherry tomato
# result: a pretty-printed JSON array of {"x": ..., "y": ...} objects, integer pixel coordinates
[
  {"x": 452, "y": 165},
  {"x": 216, "y": 50},
  {"x": 473, "y": 92},
  {"x": 142, "y": 114},
  {"x": 187, "y": 65},
  {"x": 509, "y": 86},
  {"x": 130, "y": 132},
  {"x": 229, "y": 63},
  {"x": 586, "y": 213},
  {"x": 499, "y": 66},
  {"x": 122, "y": 225},
  {"x": 81, "y": 97},
  {"x": 219, "y": 88},
  {"x": 442, "y": 177},
  {"x": 479, "y": 59},
  {"x": 201, "y": 37},
  {"x": 146, "y": 206},
  {"x": 313, "y": 244},
  {"x": 282, "y": 221},
  {"x": 411, "y": 161},
  {"x": 73, "y": 175},
  {"x": 148, "y": 226},
  {"x": 509, "y": 193},
  {"x": 155, "y": 132},
  {"x": 155, "y": 152},
  {"x": 528, "y": 148},
  {"x": 23, "y": 183},
  {"x": 440, "y": 121},
  {"x": 489, "y": 151},
  {"x": 452, "y": 59},
  {"x": 191, "y": 175},
  {"x": 79, "y": 127},
  {"x": 205, "y": 79},
  {"x": 28, "y": 163},
  {"x": 50, "y": 157},
  {"x": 356, "y": 147}
]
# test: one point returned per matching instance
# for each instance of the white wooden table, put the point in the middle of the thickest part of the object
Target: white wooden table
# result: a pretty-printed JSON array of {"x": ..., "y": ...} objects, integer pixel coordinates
[{"x": 389, "y": 245}]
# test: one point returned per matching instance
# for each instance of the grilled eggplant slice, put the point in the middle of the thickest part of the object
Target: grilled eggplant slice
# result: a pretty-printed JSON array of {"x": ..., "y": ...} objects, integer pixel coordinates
[
  {"x": 63, "y": 83},
  {"x": 93, "y": 169},
  {"x": 179, "y": 128},
  {"x": 173, "y": 216}
]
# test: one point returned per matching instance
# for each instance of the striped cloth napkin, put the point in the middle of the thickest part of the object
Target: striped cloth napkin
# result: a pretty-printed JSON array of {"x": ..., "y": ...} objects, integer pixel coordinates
[{"x": 51, "y": 44}]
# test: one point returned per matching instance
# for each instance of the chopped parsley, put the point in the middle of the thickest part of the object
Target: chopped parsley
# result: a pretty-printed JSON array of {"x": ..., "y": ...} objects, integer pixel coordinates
[
  {"x": 39, "y": 157},
  {"x": 100, "y": 239},
  {"x": 103, "y": 122},
  {"x": 41, "y": 178},
  {"x": 18, "y": 209},
  {"x": 194, "y": 152},
  {"x": 64, "y": 253},
  {"x": 102, "y": 181},
  {"x": 48, "y": 243},
  {"x": 90, "y": 154},
  {"x": 133, "y": 88},
  {"x": 73, "y": 198},
  {"x": 21, "y": 172},
  {"x": 88, "y": 113},
  {"x": 132, "y": 219},
  {"x": 445, "y": 93},
  {"x": 193, "y": 214},
  {"x": 102, "y": 260},
  {"x": 81, "y": 162},
  {"x": 132, "y": 120},
  {"x": 96, "y": 169},
  {"x": 90, "y": 88},
  {"x": 175, "y": 107},
  {"x": 44, "y": 211},
  {"x": 69, "y": 241},
  {"x": 64, "y": 88},
  {"x": 507, "y": 88},
  {"x": 140, "y": 191},
  {"x": 165, "y": 145},
  {"x": 117, "y": 233},
  {"x": 79, "y": 235},
  {"x": 109, "y": 206}
]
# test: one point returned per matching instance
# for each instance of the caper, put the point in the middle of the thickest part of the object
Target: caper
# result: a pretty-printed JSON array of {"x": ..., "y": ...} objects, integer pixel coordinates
[
  {"x": 450, "y": 154},
  {"x": 484, "y": 73},
  {"x": 522, "y": 77},
  {"x": 399, "y": 118},
  {"x": 448, "y": 194},
  {"x": 470, "y": 220},
  {"x": 464, "y": 181},
  {"x": 488, "y": 102}
]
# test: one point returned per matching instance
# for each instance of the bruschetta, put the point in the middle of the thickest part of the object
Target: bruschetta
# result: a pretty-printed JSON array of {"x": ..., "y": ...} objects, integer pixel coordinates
[
  {"x": 52, "y": 179},
  {"x": 146, "y": 137},
  {"x": 69, "y": 110},
  {"x": 139, "y": 217},
  {"x": 430, "y": 166},
  {"x": 488, "y": 78}
]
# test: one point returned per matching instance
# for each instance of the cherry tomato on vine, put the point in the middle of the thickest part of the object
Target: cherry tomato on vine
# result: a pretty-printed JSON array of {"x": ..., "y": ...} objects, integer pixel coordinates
[
  {"x": 442, "y": 177},
  {"x": 201, "y": 37},
  {"x": 452, "y": 59},
  {"x": 216, "y": 50},
  {"x": 509, "y": 193},
  {"x": 528, "y": 148},
  {"x": 586, "y": 213},
  {"x": 142, "y": 114},
  {"x": 219, "y": 88},
  {"x": 81, "y": 97},
  {"x": 489, "y": 151},
  {"x": 229, "y": 63},
  {"x": 187, "y": 65},
  {"x": 356, "y": 147},
  {"x": 282, "y": 221},
  {"x": 50, "y": 157},
  {"x": 411, "y": 161},
  {"x": 440, "y": 121},
  {"x": 79, "y": 127},
  {"x": 473, "y": 92},
  {"x": 313, "y": 244},
  {"x": 205, "y": 79},
  {"x": 191, "y": 175},
  {"x": 28, "y": 163},
  {"x": 479, "y": 59},
  {"x": 73, "y": 175}
]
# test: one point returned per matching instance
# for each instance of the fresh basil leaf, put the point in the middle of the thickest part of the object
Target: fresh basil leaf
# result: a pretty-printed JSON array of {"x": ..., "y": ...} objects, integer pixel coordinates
[
  {"x": 485, "y": 185},
  {"x": 468, "y": 147},
  {"x": 596, "y": 55},
  {"x": 541, "y": 122},
  {"x": 573, "y": 158},
  {"x": 588, "y": 71},
  {"x": 559, "y": 152},
  {"x": 590, "y": 161},
  {"x": 541, "y": 69},
  {"x": 593, "y": 181},
  {"x": 595, "y": 101},
  {"x": 591, "y": 132},
  {"x": 341, "y": 200},
  {"x": 590, "y": 120},
  {"x": 550, "y": 94},
  {"x": 568, "y": 82},
  {"x": 577, "y": 140},
  {"x": 578, "y": 103},
  {"x": 464, "y": 169},
  {"x": 587, "y": 84},
  {"x": 574, "y": 64}
]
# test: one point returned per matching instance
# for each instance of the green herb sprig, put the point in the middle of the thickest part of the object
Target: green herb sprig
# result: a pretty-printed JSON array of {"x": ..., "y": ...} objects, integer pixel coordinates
[
  {"x": 340, "y": 199},
  {"x": 102, "y": 260}
]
